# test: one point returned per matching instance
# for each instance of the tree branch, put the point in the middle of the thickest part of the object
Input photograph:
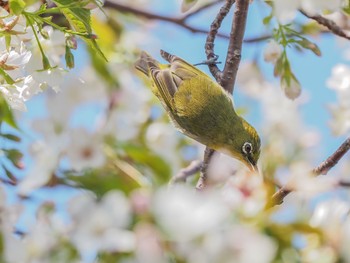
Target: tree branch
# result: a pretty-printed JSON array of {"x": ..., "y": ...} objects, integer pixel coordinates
[
  {"x": 213, "y": 32},
  {"x": 179, "y": 21},
  {"x": 257, "y": 39},
  {"x": 323, "y": 168},
  {"x": 332, "y": 160},
  {"x": 333, "y": 27},
  {"x": 183, "y": 174},
  {"x": 227, "y": 77},
  {"x": 235, "y": 45},
  {"x": 208, "y": 154}
]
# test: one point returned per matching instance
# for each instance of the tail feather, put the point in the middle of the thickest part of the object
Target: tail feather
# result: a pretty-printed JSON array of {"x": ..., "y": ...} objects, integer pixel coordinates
[{"x": 146, "y": 63}]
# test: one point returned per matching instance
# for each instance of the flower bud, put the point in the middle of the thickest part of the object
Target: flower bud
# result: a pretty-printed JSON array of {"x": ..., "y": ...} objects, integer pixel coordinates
[
  {"x": 291, "y": 88},
  {"x": 272, "y": 51}
]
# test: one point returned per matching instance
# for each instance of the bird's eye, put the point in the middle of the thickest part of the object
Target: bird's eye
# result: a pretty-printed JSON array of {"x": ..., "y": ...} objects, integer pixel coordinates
[{"x": 247, "y": 148}]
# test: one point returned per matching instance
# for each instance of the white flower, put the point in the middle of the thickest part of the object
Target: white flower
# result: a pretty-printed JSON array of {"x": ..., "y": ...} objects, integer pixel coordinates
[
  {"x": 163, "y": 139},
  {"x": 248, "y": 245},
  {"x": 100, "y": 226},
  {"x": 330, "y": 216},
  {"x": 13, "y": 61},
  {"x": 345, "y": 240},
  {"x": 245, "y": 193},
  {"x": 285, "y": 10},
  {"x": 340, "y": 82},
  {"x": 148, "y": 244},
  {"x": 45, "y": 161},
  {"x": 292, "y": 89},
  {"x": 272, "y": 51},
  {"x": 340, "y": 79},
  {"x": 250, "y": 79},
  {"x": 316, "y": 6},
  {"x": 340, "y": 123},
  {"x": 125, "y": 121},
  {"x": 221, "y": 167},
  {"x": 28, "y": 89},
  {"x": 12, "y": 97},
  {"x": 303, "y": 181},
  {"x": 85, "y": 150},
  {"x": 234, "y": 243},
  {"x": 52, "y": 77},
  {"x": 185, "y": 214}
]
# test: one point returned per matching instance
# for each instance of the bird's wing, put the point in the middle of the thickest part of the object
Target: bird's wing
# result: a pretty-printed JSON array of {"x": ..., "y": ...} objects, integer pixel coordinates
[{"x": 198, "y": 96}]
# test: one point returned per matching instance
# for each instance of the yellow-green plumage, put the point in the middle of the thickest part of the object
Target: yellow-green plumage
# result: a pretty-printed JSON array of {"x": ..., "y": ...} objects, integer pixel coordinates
[{"x": 200, "y": 108}]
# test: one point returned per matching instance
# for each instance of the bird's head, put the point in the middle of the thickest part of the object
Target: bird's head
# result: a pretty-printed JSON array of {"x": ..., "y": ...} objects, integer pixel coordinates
[{"x": 245, "y": 146}]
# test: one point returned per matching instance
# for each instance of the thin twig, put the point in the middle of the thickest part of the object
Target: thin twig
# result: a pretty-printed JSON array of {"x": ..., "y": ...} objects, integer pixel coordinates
[
  {"x": 179, "y": 21},
  {"x": 213, "y": 32},
  {"x": 331, "y": 161},
  {"x": 323, "y": 168},
  {"x": 331, "y": 25},
  {"x": 208, "y": 154},
  {"x": 344, "y": 183},
  {"x": 183, "y": 174},
  {"x": 234, "y": 51},
  {"x": 257, "y": 39}
]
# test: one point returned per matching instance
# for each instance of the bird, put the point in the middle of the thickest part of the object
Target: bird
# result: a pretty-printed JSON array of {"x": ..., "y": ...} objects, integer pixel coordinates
[{"x": 200, "y": 108}]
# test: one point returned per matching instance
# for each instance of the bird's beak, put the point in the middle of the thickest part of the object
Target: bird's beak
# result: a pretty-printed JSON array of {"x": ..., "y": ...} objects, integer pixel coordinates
[{"x": 254, "y": 168}]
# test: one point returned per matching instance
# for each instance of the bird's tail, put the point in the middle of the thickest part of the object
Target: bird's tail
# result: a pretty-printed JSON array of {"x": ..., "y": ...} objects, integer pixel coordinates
[{"x": 146, "y": 63}]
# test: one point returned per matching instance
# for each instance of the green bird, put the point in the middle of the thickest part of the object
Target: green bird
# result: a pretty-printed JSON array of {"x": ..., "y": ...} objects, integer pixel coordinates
[{"x": 200, "y": 108}]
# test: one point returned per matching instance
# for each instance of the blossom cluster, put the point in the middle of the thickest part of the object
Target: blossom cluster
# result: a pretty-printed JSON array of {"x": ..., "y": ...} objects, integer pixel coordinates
[
  {"x": 286, "y": 10},
  {"x": 339, "y": 81}
]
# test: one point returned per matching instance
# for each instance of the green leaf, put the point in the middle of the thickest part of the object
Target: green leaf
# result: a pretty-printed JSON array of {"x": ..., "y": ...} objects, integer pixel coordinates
[
  {"x": 279, "y": 66},
  {"x": 80, "y": 19},
  {"x": 101, "y": 67},
  {"x": 103, "y": 180},
  {"x": 267, "y": 19},
  {"x": 6, "y": 76},
  {"x": 6, "y": 114},
  {"x": 310, "y": 46},
  {"x": 10, "y": 175},
  {"x": 144, "y": 157},
  {"x": 17, "y": 6},
  {"x": 11, "y": 137},
  {"x": 69, "y": 57},
  {"x": 15, "y": 156}
]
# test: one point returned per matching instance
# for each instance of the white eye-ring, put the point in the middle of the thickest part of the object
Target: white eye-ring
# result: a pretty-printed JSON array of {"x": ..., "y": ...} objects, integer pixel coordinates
[{"x": 247, "y": 148}]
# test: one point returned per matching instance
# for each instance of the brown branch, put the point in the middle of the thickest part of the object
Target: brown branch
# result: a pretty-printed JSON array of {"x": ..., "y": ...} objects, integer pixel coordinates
[
  {"x": 332, "y": 26},
  {"x": 179, "y": 21},
  {"x": 233, "y": 58},
  {"x": 183, "y": 174},
  {"x": 208, "y": 154},
  {"x": 215, "y": 71},
  {"x": 213, "y": 32},
  {"x": 323, "y": 168},
  {"x": 227, "y": 77},
  {"x": 257, "y": 39},
  {"x": 331, "y": 161},
  {"x": 344, "y": 183}
]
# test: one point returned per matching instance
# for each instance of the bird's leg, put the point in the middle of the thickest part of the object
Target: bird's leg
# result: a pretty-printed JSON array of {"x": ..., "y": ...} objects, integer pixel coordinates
[{"x": 210, "y": 61}]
